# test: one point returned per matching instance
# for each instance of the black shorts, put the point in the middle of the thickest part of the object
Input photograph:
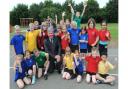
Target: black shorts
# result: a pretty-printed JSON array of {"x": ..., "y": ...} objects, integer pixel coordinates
[
  {"x": 90, "y": 73},
  {"x": 62, "y": 51},
  {"x": 102, "y": 49},
  {"x": 69, "y": 71},
  {"x": 74, "y": 47},
  {"x": 104, "y": 75},
  {"x": 83, "y": 50},
  {"x": 90, "y": 47}
]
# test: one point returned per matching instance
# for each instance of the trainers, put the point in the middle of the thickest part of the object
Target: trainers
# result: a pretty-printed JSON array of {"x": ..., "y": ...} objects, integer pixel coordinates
[
  {"x": 33, "y": 80},
  {"x": 45, "y": 77},
  {"x": 112, "y": 83},
  {"x": 99, "y": 82}
]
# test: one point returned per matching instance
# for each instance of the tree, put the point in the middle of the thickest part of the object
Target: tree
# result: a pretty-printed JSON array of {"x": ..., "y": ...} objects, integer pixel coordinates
[{"x": 21, "y": 11}]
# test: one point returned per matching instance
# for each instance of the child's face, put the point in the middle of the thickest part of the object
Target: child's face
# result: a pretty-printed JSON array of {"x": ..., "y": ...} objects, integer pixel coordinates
[
  {"x": 77, "y": 14},
  {"x": 27, "y": 54},
  {"x": 36, "y": 53},
  {"x": 83, "y": 31},
  {"x": 94, "y": 54},
  {"x": 77, "y": 55},
  {"x": 104, "y": 26},
  {"x": 104, "y": 57},
  {"x": 91, "y": 25},
  {"x": 17, "y": 31}
]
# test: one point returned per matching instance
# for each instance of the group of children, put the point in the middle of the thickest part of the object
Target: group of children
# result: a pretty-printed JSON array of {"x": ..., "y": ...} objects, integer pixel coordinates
[{"x": 79, "y": 51}]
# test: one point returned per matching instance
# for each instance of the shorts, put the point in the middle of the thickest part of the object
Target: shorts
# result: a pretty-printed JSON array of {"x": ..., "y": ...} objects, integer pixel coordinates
[
  {"x": 62, "y": 51},
  {"x": 90, "y": 48},
  {"x": 104, "y": 75},
  {"x": 102, "y": 49},
  {"x": 69, "y": 71},
  {"x": 74, "y": 47},
  {"x": 83, "y": 50},
  {"x": 90, "y": 73},
  {"x": 19, "y": 75}
]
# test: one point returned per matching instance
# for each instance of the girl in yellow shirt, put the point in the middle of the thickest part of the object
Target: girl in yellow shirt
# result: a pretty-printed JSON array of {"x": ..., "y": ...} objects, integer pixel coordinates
[
  {"x": 103, "y": 68},
  {"x": 68, "y": 61}
]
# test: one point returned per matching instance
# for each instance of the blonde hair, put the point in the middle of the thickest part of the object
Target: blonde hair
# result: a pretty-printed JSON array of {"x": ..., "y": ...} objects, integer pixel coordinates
[
  {"x": 17, "y": 27},
  {"x": 74, "y": 24}
]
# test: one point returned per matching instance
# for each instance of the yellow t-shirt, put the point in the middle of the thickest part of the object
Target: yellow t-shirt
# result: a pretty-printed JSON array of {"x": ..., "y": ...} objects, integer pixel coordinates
[
  {"x": 69, "y": 61},
  {"x": 104, "y": 67},
  {"x": 31, "y": 37}
]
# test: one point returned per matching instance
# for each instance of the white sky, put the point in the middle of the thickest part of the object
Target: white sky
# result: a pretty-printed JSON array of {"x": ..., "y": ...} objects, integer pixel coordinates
[{"x": 29, "y": 2}]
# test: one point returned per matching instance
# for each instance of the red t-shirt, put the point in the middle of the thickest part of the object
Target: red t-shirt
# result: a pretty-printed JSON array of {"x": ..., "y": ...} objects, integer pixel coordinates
[
  {"x": 102, "y": 35},
  {"x": 92, "y": 63},
  {"x": 64, "y": 42},
  {"x": 92, "y": 35}
]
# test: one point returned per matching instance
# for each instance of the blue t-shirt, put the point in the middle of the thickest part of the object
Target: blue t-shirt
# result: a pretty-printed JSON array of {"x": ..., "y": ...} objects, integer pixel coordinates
[
  {"x": 83, "y": 37},
  {"x": 74, "y": 36},
  {"x": 17, "y": 42},
  {"x": 30, "y": 62}
]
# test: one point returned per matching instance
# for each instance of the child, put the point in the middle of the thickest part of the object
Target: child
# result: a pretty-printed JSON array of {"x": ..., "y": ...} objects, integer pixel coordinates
[
  {"x": 103, "y": 67},
  {"x": 74, "y": 35},
  {"x": 65, "y": 39},
  {"x": 92, "y": 34},
  {"x": 31, "y": 38},
  {"x": 92, "y": 66},
  {"x": 79, "y": 66},
  {"x": 68, "y": 62},
  {"x": 42, "y": 60},
  {"x": 83, "y": 39},
  {"x": 20, "y": 72},
  {"x": 77, "y": 18},
  {"x": 31, "y": 65},
  {"x": 43, "y": 35},
  {"x": 104, "y": 38},
  {"x": 17, "y": 41}
]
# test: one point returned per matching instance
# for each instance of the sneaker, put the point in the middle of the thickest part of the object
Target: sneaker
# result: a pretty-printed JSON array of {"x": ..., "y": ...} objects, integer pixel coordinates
[
  {"x": 45, "y": 77},
  {"x": 112, "y": 83},
  {"x": 59, "y": 71},
  {"x": 99, "y": 82},
  {"x": 33, "y": 80}
]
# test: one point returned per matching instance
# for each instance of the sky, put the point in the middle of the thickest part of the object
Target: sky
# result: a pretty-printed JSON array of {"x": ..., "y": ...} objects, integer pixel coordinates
[{"x": 13, "y": 3}]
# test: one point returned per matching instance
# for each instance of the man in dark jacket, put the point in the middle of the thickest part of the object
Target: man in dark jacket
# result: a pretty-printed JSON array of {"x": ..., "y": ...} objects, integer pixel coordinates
[{"x": 53, "y": 48}]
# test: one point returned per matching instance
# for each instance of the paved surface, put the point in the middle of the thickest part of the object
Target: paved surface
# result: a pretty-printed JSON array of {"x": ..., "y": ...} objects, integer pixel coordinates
[{"x": 56, "y": 82}]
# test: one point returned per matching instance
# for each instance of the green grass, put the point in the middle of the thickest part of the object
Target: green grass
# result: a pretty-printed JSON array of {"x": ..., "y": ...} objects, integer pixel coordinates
[{"x": 113, "y": 27}]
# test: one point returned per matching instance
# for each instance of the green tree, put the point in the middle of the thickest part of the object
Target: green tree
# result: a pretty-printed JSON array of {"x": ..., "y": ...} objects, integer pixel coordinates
[{"x": 21, "y": 11}]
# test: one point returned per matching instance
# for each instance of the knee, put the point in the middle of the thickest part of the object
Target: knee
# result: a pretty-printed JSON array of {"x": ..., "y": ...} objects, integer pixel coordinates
[
  {"x": 21, "y": 86},
  {"x": 68, "y": 76}
]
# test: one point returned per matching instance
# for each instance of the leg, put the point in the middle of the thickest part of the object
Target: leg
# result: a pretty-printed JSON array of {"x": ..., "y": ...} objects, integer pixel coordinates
[
  {"x": 27, "y": 80},
  {"x": 46, "y": 67},
  {"x": 20, "y": 83},
  {"x": 68, "y": 76},
  {"x": 94, "y": 79},
  {"x": 64, "y": 75},
  {"x": 109, "y": 79},
  {"x": 34, "y": 69},
  {"x": 99, "y": 77},
  {"x": 88, "y": 78},
  {"x": 39, "y": 72}
]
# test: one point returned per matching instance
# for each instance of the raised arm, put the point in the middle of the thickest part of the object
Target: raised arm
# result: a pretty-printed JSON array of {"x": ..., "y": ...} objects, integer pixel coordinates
[
  {"x": 85, "y": 5},
  {"x": 72, "y": 10}
]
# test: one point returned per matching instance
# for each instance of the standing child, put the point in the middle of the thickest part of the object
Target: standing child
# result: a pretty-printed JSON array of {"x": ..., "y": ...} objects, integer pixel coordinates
[
  {"x": 103, "y": 67},
  {"x": 92, "y": 66},
  {"x": 92, "y": 34},
  {"x": 104, "y": 38},
  {"x": 69, "y": 68},
  {"x": 17, "y": 41},
  {"x": 31, "y": 65},
  {"x": 83, "y": 39},
  {"x": 42, "y": 60},
  {"x": 79, "y": 66},
  {"x": 20, "y": 72}
]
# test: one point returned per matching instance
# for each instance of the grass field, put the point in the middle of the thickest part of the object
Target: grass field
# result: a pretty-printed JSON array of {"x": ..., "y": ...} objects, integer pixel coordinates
[{"x": 112, "y": 27}]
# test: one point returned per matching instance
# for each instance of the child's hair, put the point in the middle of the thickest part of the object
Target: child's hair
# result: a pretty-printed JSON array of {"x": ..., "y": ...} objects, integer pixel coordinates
[
  {"x": 26, "y": 51},
  {"x": 103, "y": 21},
  {"x": 74, "y": 23},
  {"x": 94, "y": 49},
  {"x": 77, "y": 51},
  {"x": 93, "y": 21},
  {"x": 35, "y": 50},
  {"x": 103, "y": 54},
  {"x": 17, "y": 27},
  {"x": 67, "y": 49},
  {"x": 84, "y": 28}
]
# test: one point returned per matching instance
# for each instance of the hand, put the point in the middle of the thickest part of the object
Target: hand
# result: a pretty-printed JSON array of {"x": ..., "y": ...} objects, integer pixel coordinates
[
  {"x": 69, "y": 4},
  {"x": 93, "y": 44},
  {"x": 63, "y": 14},
  {"x": 57, "y": 57},
  {"x": 55, "y": 16},
  {"x": 107, "y": 34},
  {"x": 85, "y": 4}
]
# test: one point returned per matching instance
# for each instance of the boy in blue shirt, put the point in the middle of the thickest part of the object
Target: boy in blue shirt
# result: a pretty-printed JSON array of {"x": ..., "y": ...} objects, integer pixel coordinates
[
  {"x": 74, "y": 36},
  {"x": 17, "y": 41}
]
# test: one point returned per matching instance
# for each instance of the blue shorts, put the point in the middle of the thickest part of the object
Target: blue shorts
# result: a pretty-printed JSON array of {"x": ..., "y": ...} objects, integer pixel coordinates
[
  {"x": 79, "y": 71},
  {"x": 19, "y": 75}
]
